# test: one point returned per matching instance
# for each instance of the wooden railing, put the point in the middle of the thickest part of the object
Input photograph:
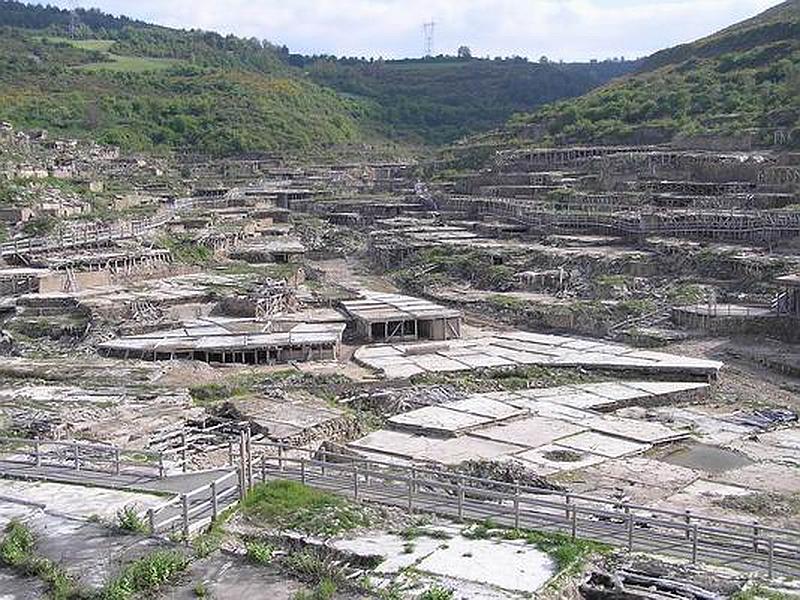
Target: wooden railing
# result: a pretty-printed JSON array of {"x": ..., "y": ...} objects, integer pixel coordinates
[
  {"x": 684, "y": 535},
  {"x": 193, "y": 510},
  {"x": 82, "y": 456}
]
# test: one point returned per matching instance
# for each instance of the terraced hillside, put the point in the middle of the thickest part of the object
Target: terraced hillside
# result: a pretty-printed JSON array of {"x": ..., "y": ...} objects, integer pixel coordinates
[{"x": 742, "y": 83}]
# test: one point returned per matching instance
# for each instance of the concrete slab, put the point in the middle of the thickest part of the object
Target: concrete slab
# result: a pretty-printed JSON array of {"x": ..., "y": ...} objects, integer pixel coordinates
[
  {"x": 480, "y": 405},
  {"x": 227, "y": 577},
  {"x": 645, "y": 471},
  {"x": 667, "y": 387},
  {"x": 476, "y": 360},
  {"x": 75, "y": 501},
  {"x": 602, "y": 445},
  {"x": 512, "y": 348},
  {"x": 782, "y": 446},
  {"x": 542, "y": 461},
  {"x": 397, "y": 443},
  {"x": 531, "y": 432},
  {"x": 708, "y": 427},
  {"x": 765, "y": 477},
  {"x": 392, "y": 548},
  {"x": 457, "y": 450},
  {"x": 437, "y": 419},
  {"x": 617, "y": 391},
  {"x": 437, "y": 363},
  {"x": 509, "y": 565},
  {"x": 17, "y": 587},
  {"x": 638, "y": 430}
]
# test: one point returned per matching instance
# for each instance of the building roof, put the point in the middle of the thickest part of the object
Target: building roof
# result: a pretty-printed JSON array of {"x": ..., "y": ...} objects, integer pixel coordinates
[
  {"x": 789, "y": 280},
  {"x": 227, "y": 335},
  {"x": 395, "y": 307}
]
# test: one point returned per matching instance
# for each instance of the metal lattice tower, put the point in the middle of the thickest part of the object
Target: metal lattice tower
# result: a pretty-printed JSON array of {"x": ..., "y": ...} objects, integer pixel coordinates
[
  {"x": 428, "y": 29},
  {"x": 74, "y": 20}
]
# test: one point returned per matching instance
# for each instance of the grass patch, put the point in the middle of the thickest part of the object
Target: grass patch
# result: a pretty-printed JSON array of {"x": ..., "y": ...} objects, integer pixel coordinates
[
  {"x": 292, "y": 505},
  {"x": 213, "y": 393},
  {"x": 144, "y": 576},
  {"x": 17, "y": 551},
  {"x": 132, "y": 64},
  {"x": 414, "y": 532}
]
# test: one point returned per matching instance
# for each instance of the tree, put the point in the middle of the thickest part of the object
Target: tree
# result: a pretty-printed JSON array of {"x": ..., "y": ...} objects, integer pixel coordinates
[{"x": 464, "y": 52}]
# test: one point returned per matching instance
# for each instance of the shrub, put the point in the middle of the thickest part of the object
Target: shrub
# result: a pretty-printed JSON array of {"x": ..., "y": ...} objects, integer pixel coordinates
[
  {"x": 437, "y": 592},
  {"x": 145, "y": 575},
  {"x": 259, "y": 552},
  {"x": 129, "y": 520}
]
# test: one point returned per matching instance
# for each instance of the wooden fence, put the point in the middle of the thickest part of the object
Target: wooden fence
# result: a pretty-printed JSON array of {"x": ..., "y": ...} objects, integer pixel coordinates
[
  {"x": 83, "y": 456},
  {"x": 684, "y": 535},
  {"x": 186, "y": 513}
]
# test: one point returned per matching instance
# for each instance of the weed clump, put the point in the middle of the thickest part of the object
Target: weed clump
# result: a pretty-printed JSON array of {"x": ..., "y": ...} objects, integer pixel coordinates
[{"x": 145, "y": 575}]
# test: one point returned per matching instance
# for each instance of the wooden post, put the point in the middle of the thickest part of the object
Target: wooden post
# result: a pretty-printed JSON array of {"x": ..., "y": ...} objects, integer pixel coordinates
[
  {"x": 460, "y": 492},
  {"x": 574, "y": 523},
  {"x": 694, "y": 543},
  {"x": 629, "y": 517},
  {"x": 162, "y": 471},
  {"x": 117, "y": 467},
  {"x": 688, "y": 519},
  {"x": 302, "y": 470},
  {"x": 410, "y": 495},
  {"x": 567, "y": 502},
  {"x": 185, "y": 511},
  {"x": 249, "y": 445},
  {"x": 516, "y": 505},
  {"x": 230, "y": 453},
  {"x": 151, "y": 521},
  {"x": 324, "y": 458},
  {"x": 183, "y": 451},
  {"x": 77, "y": 456},
  {"x": 280, "y": 457},
  {"x": 263, "y": 468},
  {"x": 355, "y": 481},
  {"x": 37, "y": 453},
  {"x": 756, "y": 535},
  {"x": 214, "y": 501},
  {"x": 770, "y": 558}
]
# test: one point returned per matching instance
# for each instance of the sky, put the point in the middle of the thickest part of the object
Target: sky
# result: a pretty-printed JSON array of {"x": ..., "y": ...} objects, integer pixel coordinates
[{"x": 559, "y": 29}]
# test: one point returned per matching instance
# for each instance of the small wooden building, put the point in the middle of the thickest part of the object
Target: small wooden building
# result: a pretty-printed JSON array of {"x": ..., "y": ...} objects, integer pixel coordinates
[{"x": 397, "y": 318}]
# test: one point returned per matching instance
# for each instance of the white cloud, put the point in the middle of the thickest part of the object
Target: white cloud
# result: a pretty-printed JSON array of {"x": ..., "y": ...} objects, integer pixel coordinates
[{"x": 568, "y": 29}]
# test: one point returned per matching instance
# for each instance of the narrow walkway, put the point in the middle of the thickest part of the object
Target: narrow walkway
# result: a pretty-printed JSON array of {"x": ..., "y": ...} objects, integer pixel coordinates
[{"x": 172, "y": 484}]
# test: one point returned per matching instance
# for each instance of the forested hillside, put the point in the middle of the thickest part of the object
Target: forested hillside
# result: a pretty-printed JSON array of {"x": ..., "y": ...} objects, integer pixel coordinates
[
  {"x": 147, "y": 87},
  {"x": 743, "y": 81},
  {"x": 440, "y": 99}
]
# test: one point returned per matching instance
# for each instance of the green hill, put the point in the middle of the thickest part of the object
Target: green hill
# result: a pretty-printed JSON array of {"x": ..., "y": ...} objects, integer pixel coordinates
[
  {"x": 741, "y": 81},
  {"x": 438, "y": 100},
  {"x": 147, "y": 87}
]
